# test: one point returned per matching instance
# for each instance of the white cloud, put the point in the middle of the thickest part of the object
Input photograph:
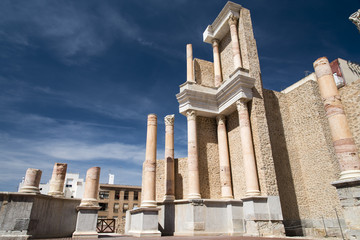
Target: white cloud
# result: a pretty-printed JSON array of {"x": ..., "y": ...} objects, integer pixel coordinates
[{"x": 80, "y": 151}]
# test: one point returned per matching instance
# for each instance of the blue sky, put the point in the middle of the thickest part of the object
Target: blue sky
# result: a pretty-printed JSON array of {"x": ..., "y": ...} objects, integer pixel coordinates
[{"x": 78, "y": 78}]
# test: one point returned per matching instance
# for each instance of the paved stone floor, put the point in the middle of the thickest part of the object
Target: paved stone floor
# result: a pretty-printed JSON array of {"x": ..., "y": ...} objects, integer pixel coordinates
[{"x": 122, "y": 237}]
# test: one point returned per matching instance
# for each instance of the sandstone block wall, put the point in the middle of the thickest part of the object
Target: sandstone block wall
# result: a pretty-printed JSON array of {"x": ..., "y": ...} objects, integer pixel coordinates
[
  {"x": 204, "y": 72},
  {"x": 208, "y": 158},
  {"x": 235, "y": 153},
  {"x": 181, "y": 179},
  {"x": 350, "y": 97},
  {"x": 226, "y": 57},
  {"x": 302, "y": 149}
]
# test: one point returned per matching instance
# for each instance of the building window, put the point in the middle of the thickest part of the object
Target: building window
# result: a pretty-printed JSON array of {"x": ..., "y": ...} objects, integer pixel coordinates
[
  {"x": 126, "y": 195},
  {"x": 117, "y": 195},
  {"x": 135, "y": 205},
  {"x": 125, "y": 207},
  {"x": 116, "y": 208},
  {"x": 103, "y": 206},
  {"x": 136, "y": 196},
  {"x": 115, "y": 217},
  {"x": 103, "y": 194}
]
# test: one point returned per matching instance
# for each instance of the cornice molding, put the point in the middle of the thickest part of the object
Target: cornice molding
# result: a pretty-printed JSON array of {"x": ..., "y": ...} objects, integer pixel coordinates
[{"x": 210, "y": 102}]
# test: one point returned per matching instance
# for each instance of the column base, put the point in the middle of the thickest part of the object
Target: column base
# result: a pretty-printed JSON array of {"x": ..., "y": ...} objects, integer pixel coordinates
[
  {"x": 85, "y": 235},
  {"x": 349, "y": 192},
  {"x": 252, "y": 193},
  {"x": 148, "y": 204},
  {"x": 56, "y": 194},
  {"x": 86, "y": 222},
  {"x": 169, "y": 198},
  {"x": 142, "y": 222},
  {"x": 194, "y": 196},
  {"x": 349, "y": 174},
  {"x": 29, "y": 189}
]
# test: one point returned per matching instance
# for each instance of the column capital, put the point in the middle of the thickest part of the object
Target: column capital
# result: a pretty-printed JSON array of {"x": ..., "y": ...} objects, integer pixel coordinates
[
  {"x": 215, "y": 42},
  {"x": 220, "y": 119},
  {"x": 232, "y": 20},
  {"x": 169, "y": 120},
  {"x": 191, "y": 115}
]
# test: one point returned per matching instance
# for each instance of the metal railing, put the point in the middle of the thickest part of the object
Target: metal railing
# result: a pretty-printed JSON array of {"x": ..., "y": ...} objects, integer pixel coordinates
[{"x": 105, "y": 225}]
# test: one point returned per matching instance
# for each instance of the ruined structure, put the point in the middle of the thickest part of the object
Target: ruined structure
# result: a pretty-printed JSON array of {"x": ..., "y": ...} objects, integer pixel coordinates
[{"x": 259, "y": 162}]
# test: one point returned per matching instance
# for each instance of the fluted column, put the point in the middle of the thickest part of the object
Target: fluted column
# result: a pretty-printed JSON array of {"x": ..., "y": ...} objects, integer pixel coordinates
[
  {"x": 235, "y": 42},
  {"x": 91, "y": 191},
  {"x": 149, "y": 166},
  {"x": 189, "y": 63},
  {"x": 169, "y": 159},
  {"x": 225, "y": 172},
  {"x": 193, "y": 161},
  {"x": 251, "y": 177},
  {"x": 343, "y": 140},
  {"x": 217, "y": 64},
  {"x": 57, "y": 180},
  {"x": 32, "y": 181}
]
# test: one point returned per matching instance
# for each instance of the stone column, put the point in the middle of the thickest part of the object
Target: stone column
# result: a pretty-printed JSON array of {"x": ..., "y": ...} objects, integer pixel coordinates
[
  {"x": 88, "y": 210},
  {"x": 189, "y": 63},
  {"x": 57, "y": 180},
  {"x": 235, "y": 42},
  {"x": 149, "y": 166},
  {"x": 225, "y": 172},
  {"x": 343, "y": 140},
  {"x": 169, "y": 159},
  {"x": 251, "y": 177},
  {"x": 193, "y": 161},
  {"x": 91, "y": 191},
  {"x": 217, "y": 64},
  {"x": 32, "y": 181}
]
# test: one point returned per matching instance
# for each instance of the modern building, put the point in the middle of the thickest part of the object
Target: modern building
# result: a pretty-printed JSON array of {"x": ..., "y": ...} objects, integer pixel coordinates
[{"x": 115, "y": 200}]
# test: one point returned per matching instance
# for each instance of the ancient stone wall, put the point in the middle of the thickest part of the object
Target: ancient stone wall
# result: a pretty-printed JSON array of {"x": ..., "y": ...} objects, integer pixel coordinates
[
  {"x": 259, "y": 126},
  {"x": 181, "y": 180},
  {"x": 350, "y": 97},
  {"x": 236, "y": 159},
  {"x": 208, "y": 153},
  {"x": 302, "y": 149},
  {"x": 226, "y": 57},
  {"x": 204, "y": 72}
]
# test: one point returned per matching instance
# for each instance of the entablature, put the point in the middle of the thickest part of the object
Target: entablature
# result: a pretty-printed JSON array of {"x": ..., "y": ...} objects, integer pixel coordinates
[{"x": 210, "y": 101}]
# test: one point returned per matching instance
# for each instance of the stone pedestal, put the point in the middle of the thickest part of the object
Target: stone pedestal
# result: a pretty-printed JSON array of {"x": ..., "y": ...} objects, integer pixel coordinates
[
  {"x": 86, "y": 223},
  {"x": 57, "y": 180},
  {"x": 349, "y": 194},
  {"x": 263, "y": 216},
  {"x": 142, "y": 222},
  {"x": 206, "y": 217},
  {"x": 32, "y": 181}
]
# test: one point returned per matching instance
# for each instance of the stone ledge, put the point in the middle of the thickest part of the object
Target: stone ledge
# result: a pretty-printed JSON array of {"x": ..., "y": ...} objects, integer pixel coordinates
[
  {"x": 209, "y": 101},
  {"x": 346, "y": 183}
]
